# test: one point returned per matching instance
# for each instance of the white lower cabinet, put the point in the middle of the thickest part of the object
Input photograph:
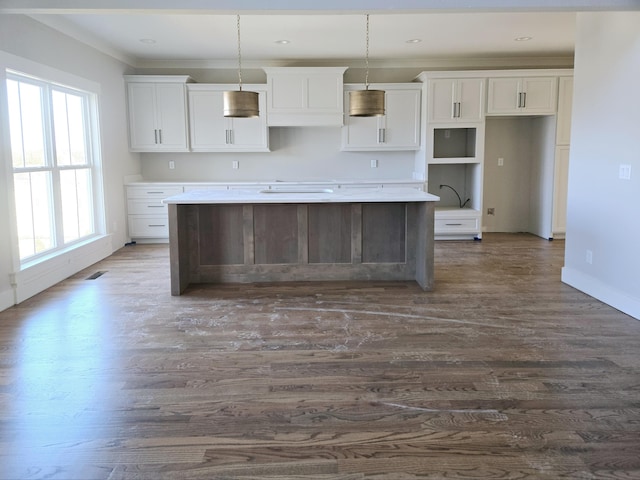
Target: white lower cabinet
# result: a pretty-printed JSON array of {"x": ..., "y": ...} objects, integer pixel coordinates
[
  {"x": 456, "y": 223},
  {"x": 147, "y": 216}
]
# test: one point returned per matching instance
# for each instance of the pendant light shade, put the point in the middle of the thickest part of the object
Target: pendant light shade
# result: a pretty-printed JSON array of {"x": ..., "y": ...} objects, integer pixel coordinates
[
  {"x": 366, "y": 103},
  {"x": 240, "y": 103}
]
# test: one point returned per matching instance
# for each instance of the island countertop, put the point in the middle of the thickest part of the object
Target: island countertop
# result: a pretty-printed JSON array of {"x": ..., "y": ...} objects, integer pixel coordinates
[{"x": 302, "y": 194}]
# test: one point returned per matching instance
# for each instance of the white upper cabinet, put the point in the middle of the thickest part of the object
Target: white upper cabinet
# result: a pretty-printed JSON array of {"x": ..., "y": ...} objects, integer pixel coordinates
[
  {"x": 305, "y": 96},
  {"x": 157, "y": 113},
  {"x": 211, "y": 131},
  {"x": 456, "y": 100},
  {"x": 522, "y": 96},
  {"x": 565, "y": 98},
  {"x": 398, "y": 129}
]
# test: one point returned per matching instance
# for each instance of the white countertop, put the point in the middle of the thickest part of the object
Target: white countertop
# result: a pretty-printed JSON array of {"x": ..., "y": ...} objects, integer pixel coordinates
[
  {"x": 275, "y": 182},
  {"x": 302, "y": 194}
]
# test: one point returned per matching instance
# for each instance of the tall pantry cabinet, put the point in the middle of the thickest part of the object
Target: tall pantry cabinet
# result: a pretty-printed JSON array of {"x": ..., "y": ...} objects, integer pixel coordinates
[{"x": 561, "y": 168}]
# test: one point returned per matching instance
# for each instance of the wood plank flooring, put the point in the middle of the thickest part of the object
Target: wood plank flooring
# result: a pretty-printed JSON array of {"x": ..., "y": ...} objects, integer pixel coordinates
[{"x": 500, "y": 372}]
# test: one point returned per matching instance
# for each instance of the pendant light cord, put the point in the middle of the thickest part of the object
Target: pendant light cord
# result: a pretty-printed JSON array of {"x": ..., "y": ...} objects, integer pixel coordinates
[
  {"x": 239, "y": 55},
  {"x": 366, "y": 77}
]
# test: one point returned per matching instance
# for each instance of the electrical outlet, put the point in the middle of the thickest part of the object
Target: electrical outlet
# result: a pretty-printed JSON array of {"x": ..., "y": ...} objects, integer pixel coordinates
[
  {"x": 172, "y": 165},
  {"x": 491, "y": 211},
  {"x": 501, "y": 162},
  {"x": 235, "y": 164},
  {"x": 625, "y": 172},
  {"x": 374, "y": 163},
  {"x": 589, "y": 257}
]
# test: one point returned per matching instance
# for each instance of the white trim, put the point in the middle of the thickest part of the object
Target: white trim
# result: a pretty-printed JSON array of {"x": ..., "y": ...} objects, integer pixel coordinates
[
  {"x": 7, "y": 299},
  {"x": 595, "y": 288},
  {"x": 46, "y": 73},
  {"x": 42, "y": 275}
]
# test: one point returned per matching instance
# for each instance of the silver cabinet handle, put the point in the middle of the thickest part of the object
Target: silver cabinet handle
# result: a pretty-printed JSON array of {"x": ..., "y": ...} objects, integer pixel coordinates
[
  {"x": 155, "y": 206},
  {"x": 160, "y": 135},
  {"x": 453, "y": 224},
  {"x": 155, "y": 135},
  {"x": 381, "y": 135},
  {"x": 524, "y": 100}
]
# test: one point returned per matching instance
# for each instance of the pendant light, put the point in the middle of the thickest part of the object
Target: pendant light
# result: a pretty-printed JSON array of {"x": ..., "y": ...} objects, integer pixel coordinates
[
  {"x": 366, "y": 103},
  {"x": 240, "y": 103}
]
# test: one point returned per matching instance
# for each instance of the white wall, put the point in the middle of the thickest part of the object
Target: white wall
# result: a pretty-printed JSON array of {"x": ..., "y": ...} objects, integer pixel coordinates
[
  {"x": 506, "y": 188},
  {"x": 297, "y": 153},
  {"x": 23, "y": 37},
  {"x": 603, "y": 215}
]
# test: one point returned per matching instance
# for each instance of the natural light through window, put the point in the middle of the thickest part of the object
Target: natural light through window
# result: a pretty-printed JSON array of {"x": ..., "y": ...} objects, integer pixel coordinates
[{"x": 53, "y": 164}]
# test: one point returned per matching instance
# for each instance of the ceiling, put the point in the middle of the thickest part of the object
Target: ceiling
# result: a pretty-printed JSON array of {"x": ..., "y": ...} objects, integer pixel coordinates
[{"x": 192, "y": 32}]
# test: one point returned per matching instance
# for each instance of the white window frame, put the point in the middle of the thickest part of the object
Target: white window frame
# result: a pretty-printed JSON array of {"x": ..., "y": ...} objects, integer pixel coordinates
[{"x": 15, "y": 65}]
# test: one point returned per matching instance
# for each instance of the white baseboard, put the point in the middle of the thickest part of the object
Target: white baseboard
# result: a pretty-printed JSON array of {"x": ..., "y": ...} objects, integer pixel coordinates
[
  {"x": 39, "y": 277},
  {"x": 595, "y": 288},
  {"x": 7, "y": 299}
]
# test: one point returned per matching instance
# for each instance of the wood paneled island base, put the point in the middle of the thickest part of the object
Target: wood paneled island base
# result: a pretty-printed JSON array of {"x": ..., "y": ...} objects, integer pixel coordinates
[{"x": 274, "y": 242}]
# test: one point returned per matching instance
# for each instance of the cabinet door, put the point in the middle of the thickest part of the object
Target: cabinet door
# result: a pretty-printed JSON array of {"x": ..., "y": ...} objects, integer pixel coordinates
[
  {"x": 211, "y": 131},
  {"x": 503, "y": 96},
  {"x": 565, "y": 97},
  {"x": 470, "y": 96},
  {"x": 540, "y": 95},
  {"x": 251, "y": 134},
  {"x": 207, "y": 124},
  {"x": 360, "y": 133},
  {"x": 142, "y": 116},
  {"x": 402, "y": 122},
  {"x": 398, "y": 129},
  {"x": 171, "y": 117},
  {"x": 441, "y": 100},
  {"x": 560, "y": 184}
]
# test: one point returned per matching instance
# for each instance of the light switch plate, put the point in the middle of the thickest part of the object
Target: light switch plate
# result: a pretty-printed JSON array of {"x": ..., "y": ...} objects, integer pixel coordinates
[{"x": 625, "y": 172}]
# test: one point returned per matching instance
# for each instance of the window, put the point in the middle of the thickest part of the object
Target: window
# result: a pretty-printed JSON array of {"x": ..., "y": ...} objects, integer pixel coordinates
[{"x": 51, "y": 128}]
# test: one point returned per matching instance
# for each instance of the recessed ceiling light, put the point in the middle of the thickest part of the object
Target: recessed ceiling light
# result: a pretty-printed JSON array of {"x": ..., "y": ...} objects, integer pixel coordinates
[
  {"x": 282, "y": 42},
  {"x": 147, "y": 41},
  {"x": 414, "y": 40},
  {"x": 523, "y": 39}
]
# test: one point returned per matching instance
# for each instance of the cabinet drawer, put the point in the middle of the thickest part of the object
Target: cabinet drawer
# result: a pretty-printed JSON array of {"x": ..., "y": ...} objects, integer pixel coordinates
[
  {"x": 456, "y": 225},
  {"x": 142, "y": 206},
  {"x": 146, "y": 226},
  {"x": 152, "y": 191}
]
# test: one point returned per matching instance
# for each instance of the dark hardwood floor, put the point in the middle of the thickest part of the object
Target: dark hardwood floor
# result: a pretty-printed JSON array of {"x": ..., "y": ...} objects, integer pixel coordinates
[{"x": 501, "y": 372}]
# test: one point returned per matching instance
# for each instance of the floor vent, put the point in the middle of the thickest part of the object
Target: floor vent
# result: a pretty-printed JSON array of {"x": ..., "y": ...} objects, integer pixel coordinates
[{"x": 96, "y": 275}]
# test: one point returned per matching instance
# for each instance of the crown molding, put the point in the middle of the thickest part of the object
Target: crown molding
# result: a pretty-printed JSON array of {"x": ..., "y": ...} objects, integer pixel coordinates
[{"x": 436, "y": 63}]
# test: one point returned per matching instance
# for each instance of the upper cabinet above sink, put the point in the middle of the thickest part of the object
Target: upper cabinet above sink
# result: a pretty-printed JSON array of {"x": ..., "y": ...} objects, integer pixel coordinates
[{"x": 304, "y": 96}]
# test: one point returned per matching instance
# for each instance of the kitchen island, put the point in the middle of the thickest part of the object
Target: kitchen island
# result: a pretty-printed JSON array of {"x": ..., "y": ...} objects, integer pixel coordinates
[{"x": 300, "y": 234}]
